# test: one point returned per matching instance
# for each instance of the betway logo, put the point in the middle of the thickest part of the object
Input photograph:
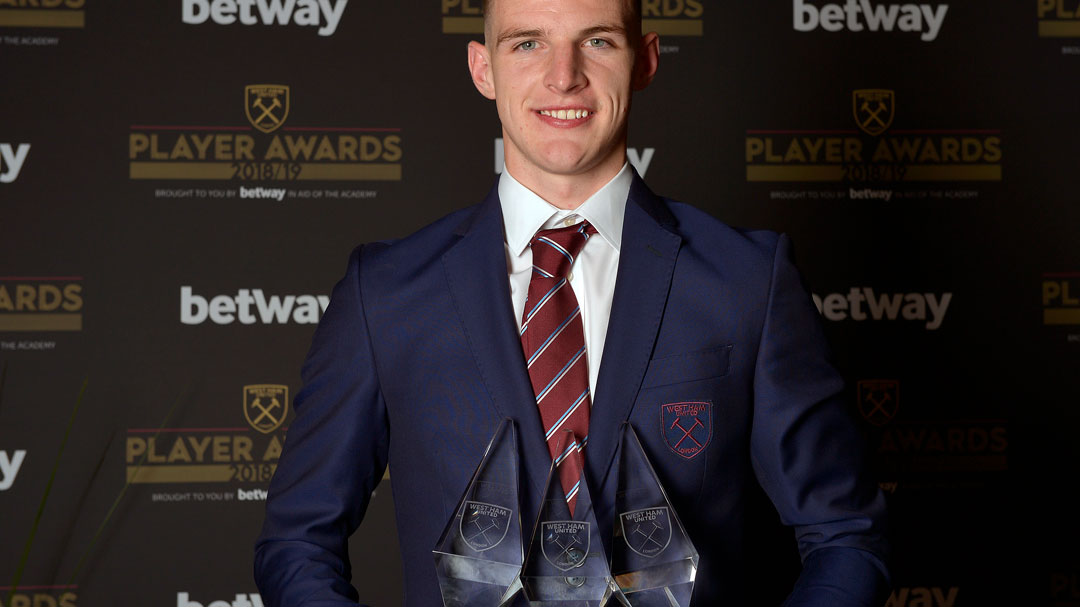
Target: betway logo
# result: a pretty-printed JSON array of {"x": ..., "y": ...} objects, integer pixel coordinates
[
  {"x": 640, "y": 161},
  {"x": 9, "y": 467},
  {"x": 927, "y": 307},
  {"x": 254, "y": 495},
  {"x": 857, "y": 15},
  {"x": 323, "y": 13},
  {"x": 250, "y": 306},
  {"x": 241, "y": 600},
  {"x": 923, "y": 596},
  {"x": 12, "y": 157},
  {"x": 277, "y": 194}
]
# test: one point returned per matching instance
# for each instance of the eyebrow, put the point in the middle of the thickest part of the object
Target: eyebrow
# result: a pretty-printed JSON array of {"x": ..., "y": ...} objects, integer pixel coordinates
[{"x": 604, "y": 28}]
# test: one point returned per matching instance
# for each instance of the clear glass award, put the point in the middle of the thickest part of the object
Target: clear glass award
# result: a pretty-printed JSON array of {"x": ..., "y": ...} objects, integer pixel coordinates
[
  {"x": 652, "y": 558},
  {"x": 479, "y": 554},
  {"x": 565, "y": 564}
]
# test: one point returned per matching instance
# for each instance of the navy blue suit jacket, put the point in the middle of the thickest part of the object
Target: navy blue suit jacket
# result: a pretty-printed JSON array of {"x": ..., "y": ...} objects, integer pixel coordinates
[{"x": 417, "y": 359}]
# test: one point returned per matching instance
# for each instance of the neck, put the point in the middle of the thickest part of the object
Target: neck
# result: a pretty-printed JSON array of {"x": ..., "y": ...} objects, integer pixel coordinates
[{"x": 565, "y": 191}]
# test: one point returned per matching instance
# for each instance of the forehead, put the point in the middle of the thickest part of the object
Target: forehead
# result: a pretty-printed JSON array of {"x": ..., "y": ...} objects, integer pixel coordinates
[{"x": 515, "y": 13}]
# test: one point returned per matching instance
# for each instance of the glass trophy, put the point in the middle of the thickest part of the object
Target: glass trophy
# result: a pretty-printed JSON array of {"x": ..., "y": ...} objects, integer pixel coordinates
[
  {"x": 479, "y": 554},
  {"x": 566, "y": 565},
  {"x": 652, "y": 558}
]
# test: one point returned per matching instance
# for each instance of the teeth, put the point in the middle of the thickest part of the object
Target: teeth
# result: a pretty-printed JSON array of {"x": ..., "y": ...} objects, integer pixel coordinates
[{"x": 566, "y": 114}]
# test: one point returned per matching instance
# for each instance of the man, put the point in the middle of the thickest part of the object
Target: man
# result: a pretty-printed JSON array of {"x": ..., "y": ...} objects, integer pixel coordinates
[{"x": 423, "y": 348}]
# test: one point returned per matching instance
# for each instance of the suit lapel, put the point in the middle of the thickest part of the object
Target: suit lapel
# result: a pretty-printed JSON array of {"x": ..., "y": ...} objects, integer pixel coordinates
[
  {"x": 646, "y": 265},
  {"x": 478, "y": 281}
]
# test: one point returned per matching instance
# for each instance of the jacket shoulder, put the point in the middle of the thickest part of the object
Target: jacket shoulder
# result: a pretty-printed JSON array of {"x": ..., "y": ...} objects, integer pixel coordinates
[{"x": 704, "y": 232}]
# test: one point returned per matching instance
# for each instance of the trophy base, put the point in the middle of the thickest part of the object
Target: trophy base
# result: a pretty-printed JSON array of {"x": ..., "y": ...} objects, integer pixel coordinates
[
  {"x": 572, "y": 591},
  {"x": 661, "y": 575},
  {"x": 666, "y": 596},
  {"x": 466, "y": 581}
]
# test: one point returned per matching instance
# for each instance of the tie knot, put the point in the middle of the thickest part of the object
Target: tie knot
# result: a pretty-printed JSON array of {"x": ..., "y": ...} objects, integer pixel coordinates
[{"x": 554, "y": 250}]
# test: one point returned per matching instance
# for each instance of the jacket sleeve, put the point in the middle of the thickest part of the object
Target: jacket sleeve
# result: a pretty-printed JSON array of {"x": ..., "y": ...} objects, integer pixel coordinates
[
  {"x": 334, "y": 455},
  {"x": 809, "y": 456}
]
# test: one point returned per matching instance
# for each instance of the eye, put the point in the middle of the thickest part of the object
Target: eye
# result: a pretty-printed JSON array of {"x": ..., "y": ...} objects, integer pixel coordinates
[
  {"x": 597, "y": 43},
  {"x": 528, "y": 45}
]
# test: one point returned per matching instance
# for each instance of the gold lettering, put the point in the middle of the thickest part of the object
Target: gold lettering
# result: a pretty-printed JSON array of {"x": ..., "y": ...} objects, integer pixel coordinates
[
  {"x": 24, "y": 298},
  {"x": 5, "y": 300},
  {"x": 300, "y": 147},
  {"x": 72, "y": 298},
  {"x": 832, "y": 149},
  {"x": 137, "y": 142},
  {"x": 1051, "y": 289},
  {"x": 181, "y": 149},
  {"x": 1065, "y": 299},
  {"x": 220, "y": 451},
  {"x": 370, "y": 147},
  {"x": 244, "y": 146},
  {"x": 273, "y": 450},
  {"x": 276, "y": 151},
  {"x": 769, "y": 155},
  {"x": 202, "y": 144},
  {"x": 199, "y": 445},
  {"x": 326, "y": 150},
  {"x": 155, "y": 153},
  {"x": 906, "y": 149},
  {"x": 929, "y": 152},
  {"x": 223, "y": 147},
  {"x": 152, "y": 455},
  {"x": 241, "y": 448},
  {"x": 135, "y": 447},
  {"x": 882, "y": 153},
  {"x": 950, "y": 150},
  {"x": 48, "y": 298},
  {"x": 993, "y": 149},
  {"x": 754, "y": 147},
  {"x": 794, "y": 152},
  {"x": 852, "y": 150},
  {"x": 179, "y": 452},
  {"x": 346, "y": 147}
]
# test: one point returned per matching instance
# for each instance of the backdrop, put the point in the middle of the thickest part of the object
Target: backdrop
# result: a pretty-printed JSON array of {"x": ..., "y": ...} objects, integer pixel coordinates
[{"x": 181, "y": 182}]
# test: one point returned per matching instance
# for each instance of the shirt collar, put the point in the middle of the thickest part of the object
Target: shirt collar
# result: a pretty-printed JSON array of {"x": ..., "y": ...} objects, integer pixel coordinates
[{"x": 524, "y": 213}]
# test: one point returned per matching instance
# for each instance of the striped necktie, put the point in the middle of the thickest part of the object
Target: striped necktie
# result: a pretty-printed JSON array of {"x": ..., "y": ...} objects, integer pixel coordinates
[{"x": 553, "y": 338}]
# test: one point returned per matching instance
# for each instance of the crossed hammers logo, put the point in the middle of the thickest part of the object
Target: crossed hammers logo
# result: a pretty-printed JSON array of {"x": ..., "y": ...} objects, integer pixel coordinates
[
  {"x": 267, "y": 112},
  {"x": 649, "y": 536},
  {"x": 874, "y": 114},
  {"x": 264, "y": 412},
  {"x": 686, "y": 433}
]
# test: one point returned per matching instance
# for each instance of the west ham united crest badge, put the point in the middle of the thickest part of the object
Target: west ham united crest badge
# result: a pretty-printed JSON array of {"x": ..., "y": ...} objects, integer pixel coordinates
[
  {"x": 874, "y": 109},
  {"x": 265, "y": 406},
  {"x": 879, "y": 400},
  {"x": 565, "y": 543},
  {"x": 483, "y": 526},
  {"x": 687, "y": 427},
  {"x": 647, "y": 531},
  {"x": 266, "y": 105}
]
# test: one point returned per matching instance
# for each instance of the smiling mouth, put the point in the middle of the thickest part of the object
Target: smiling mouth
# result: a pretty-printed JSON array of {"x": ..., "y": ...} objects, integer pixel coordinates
[{"x": 572, "y": 114}]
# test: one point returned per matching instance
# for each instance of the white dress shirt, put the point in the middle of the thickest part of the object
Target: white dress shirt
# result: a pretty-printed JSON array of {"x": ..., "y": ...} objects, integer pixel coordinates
[{"x": 593, "y": 274}]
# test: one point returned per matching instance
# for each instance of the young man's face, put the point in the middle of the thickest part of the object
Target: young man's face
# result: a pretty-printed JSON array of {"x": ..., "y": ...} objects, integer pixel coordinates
[{"x": 561, "y": 73}]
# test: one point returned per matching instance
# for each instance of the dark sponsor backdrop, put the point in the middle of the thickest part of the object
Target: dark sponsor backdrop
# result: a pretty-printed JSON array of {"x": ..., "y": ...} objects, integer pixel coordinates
[{"x": 178, "y": 195}]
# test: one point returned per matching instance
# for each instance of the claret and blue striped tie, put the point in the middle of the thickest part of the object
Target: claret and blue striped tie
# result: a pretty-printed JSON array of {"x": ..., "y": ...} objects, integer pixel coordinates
[{"x": 553, "y": 338}]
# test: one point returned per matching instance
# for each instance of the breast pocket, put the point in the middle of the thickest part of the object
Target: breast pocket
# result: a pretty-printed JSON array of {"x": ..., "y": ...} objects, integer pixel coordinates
[{"x": 688, "y": 367}]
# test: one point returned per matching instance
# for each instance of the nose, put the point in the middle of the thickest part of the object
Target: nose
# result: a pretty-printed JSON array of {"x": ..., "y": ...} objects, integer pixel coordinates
[{"x": 565, "y": 73}]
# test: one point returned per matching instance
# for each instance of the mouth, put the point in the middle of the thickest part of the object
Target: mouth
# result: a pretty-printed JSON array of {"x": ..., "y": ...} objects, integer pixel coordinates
[{"x": 566, "y": 114}]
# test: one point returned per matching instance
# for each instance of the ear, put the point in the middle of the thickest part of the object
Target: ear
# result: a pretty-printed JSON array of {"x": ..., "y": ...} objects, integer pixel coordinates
[
  {"x": 480, "y": 69},
  {"x": 646, "y": 61}
]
